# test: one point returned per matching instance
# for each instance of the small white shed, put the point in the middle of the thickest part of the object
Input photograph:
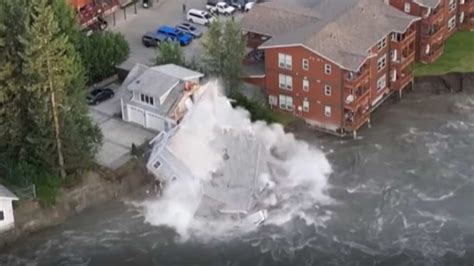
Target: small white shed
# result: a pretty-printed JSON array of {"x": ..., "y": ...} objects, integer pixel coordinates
[{"x": 7, "y": 221}]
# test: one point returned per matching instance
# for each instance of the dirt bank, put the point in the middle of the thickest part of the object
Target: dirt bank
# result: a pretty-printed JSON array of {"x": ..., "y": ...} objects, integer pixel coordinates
[
  {"x": 96, "y": 187},
  {"x": 453, "y": 82}
]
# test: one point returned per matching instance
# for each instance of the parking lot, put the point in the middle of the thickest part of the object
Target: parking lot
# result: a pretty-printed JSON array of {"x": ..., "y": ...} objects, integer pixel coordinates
[{"x": 165, "y": 12}]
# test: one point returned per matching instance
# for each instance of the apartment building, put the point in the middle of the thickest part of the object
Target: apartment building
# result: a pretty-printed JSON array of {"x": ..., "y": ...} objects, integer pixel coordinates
[
  {"x": 439, "y": 20},
  {"x": 332, "y": 62}
]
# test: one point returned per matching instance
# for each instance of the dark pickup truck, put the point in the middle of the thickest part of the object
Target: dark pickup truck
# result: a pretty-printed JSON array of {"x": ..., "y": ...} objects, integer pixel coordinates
[{"x": 153, "y": 39}]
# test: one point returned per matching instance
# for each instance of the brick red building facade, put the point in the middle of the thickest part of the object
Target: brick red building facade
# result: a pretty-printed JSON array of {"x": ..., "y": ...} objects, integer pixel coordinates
[{"x": 334, "y": 68}]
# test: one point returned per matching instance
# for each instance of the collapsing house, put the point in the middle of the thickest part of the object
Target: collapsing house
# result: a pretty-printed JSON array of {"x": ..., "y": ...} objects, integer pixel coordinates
[{"x": 237, "y": 188}]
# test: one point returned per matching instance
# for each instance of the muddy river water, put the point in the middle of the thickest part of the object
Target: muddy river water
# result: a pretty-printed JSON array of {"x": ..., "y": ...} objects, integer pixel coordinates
[{"x": 403, "y": 195}]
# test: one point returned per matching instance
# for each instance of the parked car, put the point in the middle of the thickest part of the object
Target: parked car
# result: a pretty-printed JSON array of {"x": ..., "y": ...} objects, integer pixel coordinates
[
  {"x": 248, "y": 6},
  {"x": 223, "y": 8},
  {"x": 189, "y": 29},
  {"x": 175, "y": 35},
  {"x": 152, "y": 39},
  {"x": 99, "y": 95},
  {"x": 238, "y": 4},
  {"x": 200, "y": 17}
]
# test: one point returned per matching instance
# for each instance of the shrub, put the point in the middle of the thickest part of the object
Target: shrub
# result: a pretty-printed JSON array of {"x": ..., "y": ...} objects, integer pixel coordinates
[
  {"x": 257, "y": 110},
  {"x": 101, "y": 52},
  {"x": 170, "y": 53}
]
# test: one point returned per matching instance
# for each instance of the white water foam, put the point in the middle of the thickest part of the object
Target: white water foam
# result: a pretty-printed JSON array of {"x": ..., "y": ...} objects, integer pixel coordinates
[{"x": 296, "y": 193}]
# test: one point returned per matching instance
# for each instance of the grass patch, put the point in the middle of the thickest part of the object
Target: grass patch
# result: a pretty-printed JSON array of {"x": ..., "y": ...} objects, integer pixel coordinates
[
  {"x": 259, "y": 111},
  {"x": 458, "y": 56}
]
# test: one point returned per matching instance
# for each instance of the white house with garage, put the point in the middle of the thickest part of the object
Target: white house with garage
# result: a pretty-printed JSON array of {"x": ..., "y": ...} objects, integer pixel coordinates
[
  {"x": 158, "y": 97},
  {"x": 7, "y": 220}
]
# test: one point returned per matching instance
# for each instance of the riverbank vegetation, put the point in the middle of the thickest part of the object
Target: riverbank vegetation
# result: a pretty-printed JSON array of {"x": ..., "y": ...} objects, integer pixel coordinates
[
  {"x": 46, "y": 135},
  {"x": 458, "y": 56}
]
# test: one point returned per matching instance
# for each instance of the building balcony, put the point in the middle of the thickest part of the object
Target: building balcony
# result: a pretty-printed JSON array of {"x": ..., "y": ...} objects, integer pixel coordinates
[
  {"x": 401, "y": 41},
  {"x": 403, "y": 79},
  {"x": 434, "y": 54},
  {"x": 354, "y": 120},
  {"x": 355, "y": 98},
  {"x": 404, "y": 60},
  {"x": 254, "y": 40},
  {"x": 436, "y": 17},
  {"x": 354, "y": 80},
  {"x": 89, "y": 12}
]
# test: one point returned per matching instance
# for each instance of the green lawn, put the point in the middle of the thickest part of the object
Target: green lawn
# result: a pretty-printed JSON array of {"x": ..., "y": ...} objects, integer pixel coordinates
[{"x": 458, "y": 56}]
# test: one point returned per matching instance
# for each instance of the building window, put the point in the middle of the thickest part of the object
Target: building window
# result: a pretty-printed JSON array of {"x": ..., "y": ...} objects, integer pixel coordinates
[
  {"x": 382, "y": 62},
  {"x": 286, "y": 102},
  {"x": 305, "y": 64},
  {"x": 407, "y": 7},
  {"x": 285, "y": 82},
  {"x": 2, "y": 217},
  {"x": 327, "y": 69},
  {"x": 382, "y": 43},
  {"x": 305, "y": 84},
  {"x": 327, "y": 90},
  {"x": 461, "y": 17},
  {"x": 272, "y": 100},
  {"x": 305, "y": 105},
  {"x": 157, "y": 164},
  {"x": 284, "y": 61},
  {"x": 452, "y": 5},
  {"x": 393, "y": 75},
  {"x": 327, "y": 111},
  {"x": 382, "y": 82},
  {"x": 452, "y": 23},
  {"x": 147, "y": 99},
  {"x": 394, "y": 55}
]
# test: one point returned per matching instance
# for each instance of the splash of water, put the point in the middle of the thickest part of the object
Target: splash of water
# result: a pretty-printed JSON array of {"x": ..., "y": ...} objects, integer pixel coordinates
[{"x": 295, "y": 192}]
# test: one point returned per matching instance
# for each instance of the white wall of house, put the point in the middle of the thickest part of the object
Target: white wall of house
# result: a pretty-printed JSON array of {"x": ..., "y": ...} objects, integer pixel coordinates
[
  {"x": 7, "y": 220},
  {"x": 147, "y": 119}
]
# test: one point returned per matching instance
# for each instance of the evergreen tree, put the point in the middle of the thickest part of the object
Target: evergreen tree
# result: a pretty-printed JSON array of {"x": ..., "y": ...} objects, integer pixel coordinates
[
  {"x": 170, "y": 53},
  {"x": 213, "y": 54}
]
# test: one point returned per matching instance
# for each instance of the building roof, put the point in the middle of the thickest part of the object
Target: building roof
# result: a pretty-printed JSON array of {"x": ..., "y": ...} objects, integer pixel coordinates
[
  {"x": 178, "y": 72},
  {"x": 342, "y": 31},
  {"x": 153, "y": 82},
  {"x": 7, "y": 194},
  {"x": 428, "y": 3}
]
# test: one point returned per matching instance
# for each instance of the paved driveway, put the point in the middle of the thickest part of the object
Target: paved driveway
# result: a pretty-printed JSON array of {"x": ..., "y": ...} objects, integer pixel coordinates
[
  {"x": 167, "y": 12},
  {"x": 118, "y": 135}
]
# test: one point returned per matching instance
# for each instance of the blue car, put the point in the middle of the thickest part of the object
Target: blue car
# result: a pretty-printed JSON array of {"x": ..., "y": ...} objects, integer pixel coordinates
[{"x": 175, "y": 35}]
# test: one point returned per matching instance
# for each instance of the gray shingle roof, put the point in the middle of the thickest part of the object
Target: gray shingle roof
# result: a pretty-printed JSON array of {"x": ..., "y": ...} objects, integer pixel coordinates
[
  {"x": 428, "y": 3},
  {"x": 343, "y": 32},
  {"x": 153, "y": 83},
  {"x": 7, "y": 194},
  {"x": 178, "y": 72}
]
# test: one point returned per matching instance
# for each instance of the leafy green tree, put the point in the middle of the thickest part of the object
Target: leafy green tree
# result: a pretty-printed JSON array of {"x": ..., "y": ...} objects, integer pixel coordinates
[
  {"x": 101, "y": 52},
  {"x": 170, "y": 53},
  {"x": 224, "y": 51}
]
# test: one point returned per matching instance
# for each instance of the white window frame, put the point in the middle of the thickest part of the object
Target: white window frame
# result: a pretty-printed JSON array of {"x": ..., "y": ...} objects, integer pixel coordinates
[
  {"x": 285, "y": 82},
  {"x": 272, "y": 100},
  {"x": 407, "y": 8},
  {"x": 285, "y": 102},
  {"x": 381, "y": 62},
  {"x": 327, "y": 111},
  {"x": 159, "y": 164},
  {"x": 306, "y": 105},
  {"x": 382, "y": 82},
  {"x": 327, "y": 69},
  {"x": 327, "y": 90},
  {"x": 452, "y": 5},
  {"x": 305, "y": 84},
  {"x": 146, "y": 99},
  {"x": 305, "y": 64},
  {"x": 285, "y": 61},
  {"x": 382, "y": 43}
]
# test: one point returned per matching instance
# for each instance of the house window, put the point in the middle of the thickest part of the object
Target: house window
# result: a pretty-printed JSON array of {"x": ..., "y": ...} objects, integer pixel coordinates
[
  {"x": 305, "y": 85},
  {"x": 272, "y": 100},
  {"x": 305, "y": 64},
  {"x": 382, "y": 43},
  {"x": 452, "y": 5},
  {"x": 382, "y": 82},
  {"x": 327, "y": 90},
  {"x": 327, "y": 69},
  {"x": 327, "y": 111},
  {"x": 305, "y": 105},
  {"x": 285, "y": 82},
  {"x": 157, "y": 164},
  {"x": 2, "y": 217},
  {"x": 407, "y": 8},
  {"x": 381, "y": 62},
  {"x": 452, "y": 23},
  {"x": 286, "y": 102},
  {"x": 147, "y": 99},
  {"x": 284, "y": 61}
]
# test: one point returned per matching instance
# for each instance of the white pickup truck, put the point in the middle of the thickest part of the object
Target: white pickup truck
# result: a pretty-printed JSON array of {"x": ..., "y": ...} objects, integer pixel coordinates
[{"x": 215, "y": 7}]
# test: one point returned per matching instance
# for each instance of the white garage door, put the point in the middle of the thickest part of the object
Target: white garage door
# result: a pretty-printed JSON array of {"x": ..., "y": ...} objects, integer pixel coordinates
[
  {"x": 154, "y": 122},
  {"x": 136, "y": 115}
]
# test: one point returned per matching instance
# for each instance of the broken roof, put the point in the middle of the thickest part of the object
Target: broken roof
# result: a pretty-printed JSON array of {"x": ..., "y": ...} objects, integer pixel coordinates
[
  {"x": 7, "y": 194},
  {"x": 342, "y": 31}
]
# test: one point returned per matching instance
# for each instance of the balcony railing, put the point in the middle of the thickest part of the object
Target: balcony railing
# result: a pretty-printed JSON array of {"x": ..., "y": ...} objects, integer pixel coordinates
[
  {"x": 354, "y": 98},
  {"x": 404, "y": 60},
  {"x": 433, "y": 34},
  {"x": 435, "y": 53},
  {"x": 354, "y": 80},
  {"x": 401, "y": 41},
  {"x": 402, "y": 81},
  {"x": 88, "y": 13},
  {"x": 436, "y": 16},
  {"x": 354, "y": 121}
]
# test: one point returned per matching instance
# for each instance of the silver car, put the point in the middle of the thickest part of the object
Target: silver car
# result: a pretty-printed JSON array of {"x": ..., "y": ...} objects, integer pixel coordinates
[{"x": 190, "y": 29}]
